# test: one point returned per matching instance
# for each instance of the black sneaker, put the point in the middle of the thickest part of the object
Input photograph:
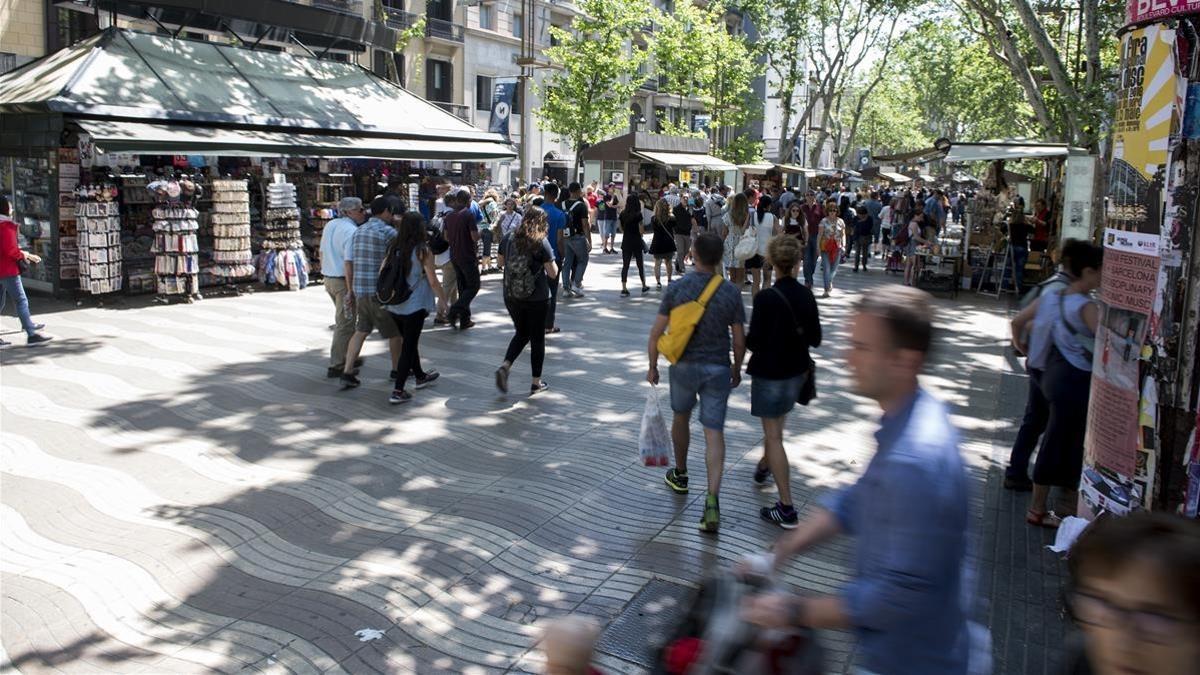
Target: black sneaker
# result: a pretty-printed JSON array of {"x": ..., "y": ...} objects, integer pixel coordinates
[
  {"x": 399, "y": 396},
  {"x": 540, "y": 386},
  {"x": 467, "y": 323},
  {"x": 337, "y": 372},
  {"x": 762, "y": 475},
  {"x": 645, "y": 290},
  {"x": 349, "y": 381},
  {"x": 502, "y": 379},
  {"x": 783, "y": 516},
  {"x": 624, "y": 293},
  {"x": 38, "y": 339},
  {"x": 677, "y": 481},
  {"x": 429, "y": 378}
]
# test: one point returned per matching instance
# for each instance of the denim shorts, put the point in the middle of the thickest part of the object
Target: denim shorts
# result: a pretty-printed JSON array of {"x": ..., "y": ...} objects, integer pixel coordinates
[
  {"x": 608, "y": 228},
  {"x": 774, "y": 398},
  {"x": 709, "y": 381}
]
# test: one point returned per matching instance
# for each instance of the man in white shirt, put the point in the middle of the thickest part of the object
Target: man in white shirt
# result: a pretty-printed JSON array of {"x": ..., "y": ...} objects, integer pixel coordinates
[{"x": 336, "y": 239}]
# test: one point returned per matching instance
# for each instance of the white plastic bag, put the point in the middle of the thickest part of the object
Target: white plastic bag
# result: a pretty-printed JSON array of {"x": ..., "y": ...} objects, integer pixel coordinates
[{"x": 654, "y": 443}]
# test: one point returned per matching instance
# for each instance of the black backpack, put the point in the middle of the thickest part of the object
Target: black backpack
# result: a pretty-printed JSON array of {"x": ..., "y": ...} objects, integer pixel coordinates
[
  {"x": 520, "y": 277},
  {"x": 436, "y": 240},
  {"x": 577, "y": 225},
  {"x": 391, "y": 286}
]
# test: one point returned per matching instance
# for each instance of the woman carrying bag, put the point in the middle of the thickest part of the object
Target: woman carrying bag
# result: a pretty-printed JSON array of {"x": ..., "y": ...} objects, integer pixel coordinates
[
  {"x": 662, "y": 246},
  {"x": 831, "y": 243},
  {"x": 632, "y": 243},
  {"x": 738, "y": 218},
  {"x": 765, "y": 226},
  {"x": 529, "y": 269},
  {"x": 785, "y": 323}
]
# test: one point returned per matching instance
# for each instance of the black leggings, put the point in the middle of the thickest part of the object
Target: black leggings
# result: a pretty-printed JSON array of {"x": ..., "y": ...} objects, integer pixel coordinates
[
  {"x": 410, "y": 326},
  {"x": 628, "y": 254},
  {"x": 529, "y": 318}
]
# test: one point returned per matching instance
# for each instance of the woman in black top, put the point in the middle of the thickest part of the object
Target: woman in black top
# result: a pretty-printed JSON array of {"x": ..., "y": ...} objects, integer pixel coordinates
[
  {"x": 632, "y": 243},
  {"x": 682, "y": 229},
  {"x": 785, "y": 323},
  {"x": 662, "y": 246},
  {"x": 527, "y": 303}
]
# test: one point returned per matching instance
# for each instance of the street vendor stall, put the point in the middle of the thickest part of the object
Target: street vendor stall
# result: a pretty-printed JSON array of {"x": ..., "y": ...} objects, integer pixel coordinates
[
  {"x": 200, "y": 158},
  {"x": 649, "y": 162},
  {"x": 767, "y": 175}
]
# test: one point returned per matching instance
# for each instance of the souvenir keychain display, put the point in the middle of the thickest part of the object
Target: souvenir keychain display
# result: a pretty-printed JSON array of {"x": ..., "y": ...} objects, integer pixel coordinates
[
  {"x": 282, "y": 262},
  {"x": 176, "y": 262},
  {"x": 230, "y": 220},
  {"x": 98, "y": 221}
]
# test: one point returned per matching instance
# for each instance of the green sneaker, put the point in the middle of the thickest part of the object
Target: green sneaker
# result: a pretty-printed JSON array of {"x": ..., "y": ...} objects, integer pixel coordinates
[
  {"x": 712, "y": 514},
  {"x": 677, "y": 481}
]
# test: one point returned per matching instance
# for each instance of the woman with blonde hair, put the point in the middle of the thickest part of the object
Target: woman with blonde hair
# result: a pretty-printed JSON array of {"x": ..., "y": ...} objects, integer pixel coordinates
[
  {"x": 739, "y": 215},
  {"x": 662, "y": 246},
  {"x": 529, "y": 269}
]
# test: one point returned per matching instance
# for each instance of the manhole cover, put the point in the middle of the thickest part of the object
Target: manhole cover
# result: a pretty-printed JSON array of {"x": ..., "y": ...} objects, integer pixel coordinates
[{"x": 639, "y": 631}]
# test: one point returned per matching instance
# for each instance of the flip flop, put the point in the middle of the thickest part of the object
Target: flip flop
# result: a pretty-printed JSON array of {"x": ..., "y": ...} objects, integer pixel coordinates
[{"x": 1047, "y": 519}]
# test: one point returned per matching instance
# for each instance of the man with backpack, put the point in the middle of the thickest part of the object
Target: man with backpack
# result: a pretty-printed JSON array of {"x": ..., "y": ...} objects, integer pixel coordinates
[
  {"x": 556, "y": 225},
  {"x": 701, "y": 310},
  {"x": 578, "y": 244},
  {"x": 368, "y": 248}
]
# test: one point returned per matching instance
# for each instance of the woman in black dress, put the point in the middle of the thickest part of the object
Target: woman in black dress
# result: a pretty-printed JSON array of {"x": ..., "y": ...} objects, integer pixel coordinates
[
  {"x": 632, "y": 243},
  {"x": 662, "y": 246}
]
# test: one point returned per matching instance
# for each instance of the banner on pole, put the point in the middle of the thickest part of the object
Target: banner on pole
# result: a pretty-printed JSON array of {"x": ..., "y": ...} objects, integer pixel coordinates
[{"x": 502, "y": 100}]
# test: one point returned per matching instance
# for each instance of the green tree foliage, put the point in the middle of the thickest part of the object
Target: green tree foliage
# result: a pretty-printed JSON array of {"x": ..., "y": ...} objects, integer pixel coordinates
[{"x": 587, "y": 100}]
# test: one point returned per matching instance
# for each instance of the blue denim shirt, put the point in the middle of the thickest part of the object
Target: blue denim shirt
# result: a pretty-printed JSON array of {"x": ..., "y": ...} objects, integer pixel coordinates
[
  {"x": 556, "y": 221},
  {"x": 908, "y": 514}
]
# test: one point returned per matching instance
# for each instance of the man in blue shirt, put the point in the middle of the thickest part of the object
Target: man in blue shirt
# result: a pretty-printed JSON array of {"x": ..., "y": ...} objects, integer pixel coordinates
[
  {"x": 935, "y": 214},
  {"x": 556, "y": 220},
  {"x": 874, "y": 208},
  {"x": 367, "y": 251},
  {"x": 336, "y": 239},
  {"x": 908, "y": 598}
]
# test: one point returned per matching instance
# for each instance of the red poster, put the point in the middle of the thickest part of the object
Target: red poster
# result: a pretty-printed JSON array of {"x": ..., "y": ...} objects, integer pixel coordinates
[
  {"x": 1130, "y": 280},
  {"x": 1138, "y": 11},
  {"x": 1113, "y": 427}
]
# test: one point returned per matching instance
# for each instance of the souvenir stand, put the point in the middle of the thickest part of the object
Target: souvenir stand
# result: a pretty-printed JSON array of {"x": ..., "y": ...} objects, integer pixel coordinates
[
  {"x": 98, "y": 239},
  {"x": 282, "y": 263},
  {"x": 230, "y": 219},
  {"x": 648, "y": 162},
  {"x": 176, "y": 248}
]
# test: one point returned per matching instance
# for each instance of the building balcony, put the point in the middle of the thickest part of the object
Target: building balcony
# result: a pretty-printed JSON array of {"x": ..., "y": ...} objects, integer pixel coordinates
[
  {"x": 463, "y": 112},
  {"x": 399, "y": 19},
  {"x": 443, "y": 30},
  {"x": 353, "y": 7}
]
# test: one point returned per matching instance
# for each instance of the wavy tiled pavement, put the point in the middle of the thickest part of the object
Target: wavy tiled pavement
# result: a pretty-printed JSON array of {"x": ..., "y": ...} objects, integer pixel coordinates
[{"x": 183, "y": 490}]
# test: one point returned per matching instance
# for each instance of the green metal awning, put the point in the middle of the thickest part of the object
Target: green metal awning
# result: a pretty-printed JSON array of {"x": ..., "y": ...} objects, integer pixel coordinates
[
  {"x": 123, "y": 77},
  {"x": 173, "y": 139}
]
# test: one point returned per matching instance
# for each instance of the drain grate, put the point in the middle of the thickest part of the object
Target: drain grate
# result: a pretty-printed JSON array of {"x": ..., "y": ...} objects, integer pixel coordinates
[{"x": 638, "y": 632}]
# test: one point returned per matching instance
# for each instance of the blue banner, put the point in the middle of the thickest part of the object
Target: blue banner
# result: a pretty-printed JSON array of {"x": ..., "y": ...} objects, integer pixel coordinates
[{"x": 502, "y": 101}]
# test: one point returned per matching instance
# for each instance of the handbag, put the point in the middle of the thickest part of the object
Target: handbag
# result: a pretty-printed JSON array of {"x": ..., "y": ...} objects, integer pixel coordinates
[
  {"x": 747, "y": 246},
  {"x": 808, "y": 389}
]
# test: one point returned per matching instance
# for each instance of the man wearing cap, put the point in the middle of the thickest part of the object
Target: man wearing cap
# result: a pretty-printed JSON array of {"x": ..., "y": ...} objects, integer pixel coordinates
[{"x": 336, "y": 240}]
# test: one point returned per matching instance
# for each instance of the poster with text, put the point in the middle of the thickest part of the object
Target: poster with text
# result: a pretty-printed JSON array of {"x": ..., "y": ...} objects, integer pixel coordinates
[{"x": 1117, "y": 474}]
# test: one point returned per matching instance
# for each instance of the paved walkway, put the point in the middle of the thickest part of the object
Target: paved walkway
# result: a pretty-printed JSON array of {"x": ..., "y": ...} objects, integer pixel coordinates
[{"x": 183, "y": 490}]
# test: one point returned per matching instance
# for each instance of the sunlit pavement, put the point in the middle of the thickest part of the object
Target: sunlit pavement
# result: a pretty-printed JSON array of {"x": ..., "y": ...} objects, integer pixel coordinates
[{"x": 184, "y": 490}]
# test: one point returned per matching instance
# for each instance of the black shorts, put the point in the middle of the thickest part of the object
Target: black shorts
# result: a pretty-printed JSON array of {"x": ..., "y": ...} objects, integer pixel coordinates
[{"x": 755, "y": 263}]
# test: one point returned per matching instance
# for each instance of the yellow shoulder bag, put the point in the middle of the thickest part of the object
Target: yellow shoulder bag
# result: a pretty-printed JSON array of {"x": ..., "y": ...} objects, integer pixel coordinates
[{"x": 683, "y": 320}]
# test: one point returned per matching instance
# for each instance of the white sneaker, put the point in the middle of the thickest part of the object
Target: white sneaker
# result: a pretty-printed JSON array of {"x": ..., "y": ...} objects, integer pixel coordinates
[{"x": 579, "y": 291}]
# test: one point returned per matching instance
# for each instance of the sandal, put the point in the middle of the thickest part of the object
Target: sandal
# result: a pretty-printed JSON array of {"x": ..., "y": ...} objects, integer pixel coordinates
[{"x": 1047, "y": 519}]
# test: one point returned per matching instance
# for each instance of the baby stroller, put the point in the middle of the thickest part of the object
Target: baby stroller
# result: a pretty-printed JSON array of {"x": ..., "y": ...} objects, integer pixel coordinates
[{"x": 713, "y": 638}]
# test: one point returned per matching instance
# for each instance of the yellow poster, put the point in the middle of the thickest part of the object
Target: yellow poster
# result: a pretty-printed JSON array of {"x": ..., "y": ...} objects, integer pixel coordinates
[{"x": 1147, "y": 99}]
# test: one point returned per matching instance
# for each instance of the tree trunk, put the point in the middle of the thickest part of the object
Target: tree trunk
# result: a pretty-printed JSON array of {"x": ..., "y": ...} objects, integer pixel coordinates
[{"x": 1062, "y": 80}]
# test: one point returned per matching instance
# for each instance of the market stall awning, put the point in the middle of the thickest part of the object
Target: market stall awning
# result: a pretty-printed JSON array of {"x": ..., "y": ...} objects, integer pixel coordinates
[
  {"x": 894, "y": 177},
  {"x": 909, "y": 157},
  {"x": 172, "y": 139},
  {"x": 686, "y": 160},
  {"x": 756, "y": 168},
  {"x": 763, "y": 167},
  {"x": 926, "y": 177},
  {"x": 127, "y": 76},
  {"x": 1012, "y": 149}
]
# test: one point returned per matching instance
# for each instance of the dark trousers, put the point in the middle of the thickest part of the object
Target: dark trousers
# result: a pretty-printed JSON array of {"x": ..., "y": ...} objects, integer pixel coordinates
[
  {"x": 811, "y": 257},
  {"x": 628, "y": 254},
  {"x": 862, "y": 252},
  {"x": 553, "y": 309},
  {"x": 529, "y": 319},
  {"x": 410, "y": 326},
  {"x": 1037, "y": 413},
  {"x": 1067, "y": 389},
  {"x": 467, "y": 280}
]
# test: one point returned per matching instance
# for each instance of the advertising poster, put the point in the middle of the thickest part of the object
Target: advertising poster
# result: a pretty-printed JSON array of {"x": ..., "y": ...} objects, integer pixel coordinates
[
  {"x": 1149, "y": 103},
  {"x": 1137, "y": 11},
  {"x": 1117, "y": 465}
]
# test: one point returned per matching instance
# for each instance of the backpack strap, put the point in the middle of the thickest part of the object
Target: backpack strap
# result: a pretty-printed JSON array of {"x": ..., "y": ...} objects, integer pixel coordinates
[
  {"x": 710, "y": 289},
  {"x": 788, "y": 304}
]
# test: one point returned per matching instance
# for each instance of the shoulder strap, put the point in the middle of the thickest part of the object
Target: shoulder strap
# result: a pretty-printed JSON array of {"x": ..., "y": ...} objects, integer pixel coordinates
[
  {"x": 710, "y": 289},
  {"x": 788, "y": 303}
]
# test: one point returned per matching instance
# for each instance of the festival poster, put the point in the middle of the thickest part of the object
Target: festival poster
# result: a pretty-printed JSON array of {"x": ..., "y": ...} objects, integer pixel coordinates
[
  {"x": 1118, "y": 469},
  {"x": 1138, "y": 11}
]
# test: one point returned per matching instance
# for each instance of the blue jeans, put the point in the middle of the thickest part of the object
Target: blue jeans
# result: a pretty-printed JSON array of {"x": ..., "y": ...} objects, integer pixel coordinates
[
  {"x": 13, "y": 286},
  {"x": 810, "y": 260},
  {"x": 829, "y": 265},
  {"x": 575, "y": 261},
  {"x": 1020, "y": 255},
  {"x": 708, "y": 381}
]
